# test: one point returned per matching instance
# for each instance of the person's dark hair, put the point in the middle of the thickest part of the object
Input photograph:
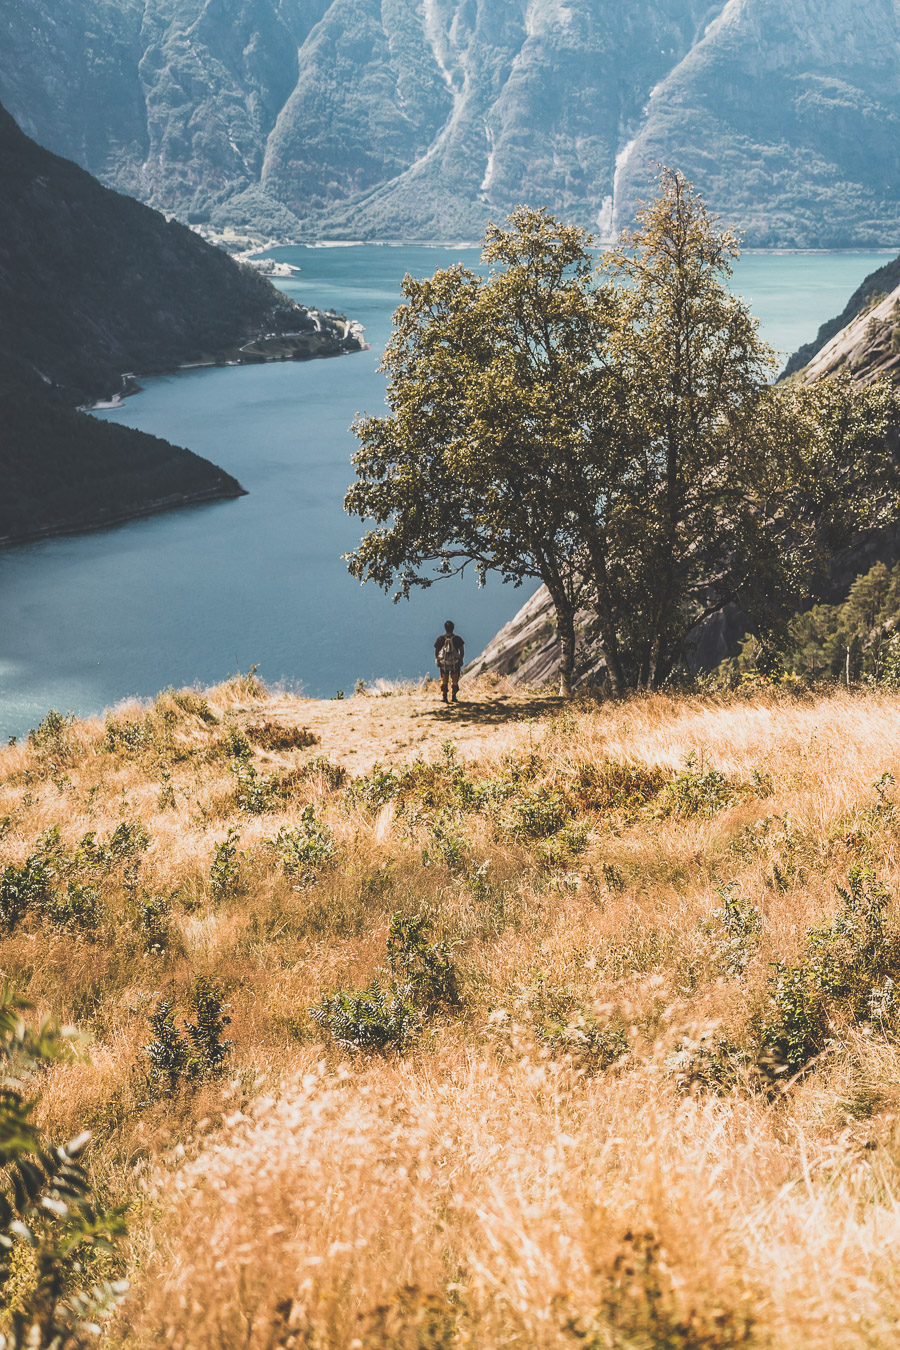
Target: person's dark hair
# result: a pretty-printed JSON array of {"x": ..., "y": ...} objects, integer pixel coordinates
[{"x": 448, "y": 626}]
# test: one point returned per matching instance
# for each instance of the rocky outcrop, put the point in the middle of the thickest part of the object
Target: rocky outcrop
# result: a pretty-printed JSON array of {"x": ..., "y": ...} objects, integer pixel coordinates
[
  {"x": 868, "y": 348},
  {"x": 422, "y": 119},
  {"x": 880, "y": 284}
]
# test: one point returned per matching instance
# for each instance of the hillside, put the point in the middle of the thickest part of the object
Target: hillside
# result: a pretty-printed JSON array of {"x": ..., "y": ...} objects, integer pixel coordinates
[
  {"x": 847, "y": 338},
  {"x": 94, "y": 285},
  {"x": 553, "y": 1027},
  {"x": 62, "y": 471},
  {"x": 356, "y": 119}
]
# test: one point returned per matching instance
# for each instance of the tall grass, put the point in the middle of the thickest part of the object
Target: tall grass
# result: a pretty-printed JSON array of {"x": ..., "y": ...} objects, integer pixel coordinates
[{"x": 660, "y": 1108}]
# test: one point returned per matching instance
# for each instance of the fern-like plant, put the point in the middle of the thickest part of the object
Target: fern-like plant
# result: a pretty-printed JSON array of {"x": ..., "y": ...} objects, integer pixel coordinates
[{"x": 46, "y": 1204}]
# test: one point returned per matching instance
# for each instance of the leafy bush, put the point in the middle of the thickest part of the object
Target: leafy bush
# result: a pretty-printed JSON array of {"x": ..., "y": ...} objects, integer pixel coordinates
[
  {"x": 225, "y": 869},
  {"x": 154, "y": 912},
  {"x": 536, "y": 813},
  {"x": 694, "y": 793},
  {"x": 375, "y": 1019},
  {"x": 588, "y": 1044},
  {"x": 46, "y": 1205},
  {"x": 181, "y": 1056},
  {"x": 77, "y": 909},
  {"x": 843, "y": 973},
  {"x": 424, "y": 967},
  {"x": 305, "y": 849},
  {"x": 131, "y": 735},
  {"x": 25, "y": 890},
  {"x": 253, "y": 792},
  {"x": 735, "y": 929},
  {"x": 234, "y": 745},
  {"x": 711, "y": 1061},
  {"x": 50, "y": 732}
]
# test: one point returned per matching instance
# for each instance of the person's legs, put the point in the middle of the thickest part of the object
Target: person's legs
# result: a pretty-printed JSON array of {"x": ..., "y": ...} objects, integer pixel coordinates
[
  {"x": 454, "y": 683},
  {"x": 445, "y": 676}
]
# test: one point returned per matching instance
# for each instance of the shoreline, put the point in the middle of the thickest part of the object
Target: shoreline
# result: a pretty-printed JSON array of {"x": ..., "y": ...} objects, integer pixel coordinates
[
  {"x": 131, "y": 382},
  {"x": 171, "y": 503}
]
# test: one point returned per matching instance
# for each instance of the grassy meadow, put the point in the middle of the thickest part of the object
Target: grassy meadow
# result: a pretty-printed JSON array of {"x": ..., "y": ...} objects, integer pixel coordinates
[{"x": 513, "y": 1024}]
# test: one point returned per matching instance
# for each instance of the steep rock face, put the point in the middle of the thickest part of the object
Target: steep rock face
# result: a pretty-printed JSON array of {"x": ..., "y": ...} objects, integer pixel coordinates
[
  {"x": 870, "y": 291},
  {"x": 788, "y": 119},
  {"x": 868, "y": 347},
  {"x": 425, "y": 118}
]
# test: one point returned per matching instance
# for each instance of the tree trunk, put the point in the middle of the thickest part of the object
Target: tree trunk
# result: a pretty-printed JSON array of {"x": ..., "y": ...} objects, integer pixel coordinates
[
  {"x": 565, "y": 624},
  {"x": 565, "y": 631}
]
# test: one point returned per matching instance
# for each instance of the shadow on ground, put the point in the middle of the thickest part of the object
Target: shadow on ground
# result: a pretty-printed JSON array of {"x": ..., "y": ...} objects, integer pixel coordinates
[{"x": 491, "y": 712}]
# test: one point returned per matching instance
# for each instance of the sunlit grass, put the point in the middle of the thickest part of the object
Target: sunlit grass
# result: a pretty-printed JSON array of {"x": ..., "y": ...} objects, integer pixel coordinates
[{"x": 598, "y": 1143}]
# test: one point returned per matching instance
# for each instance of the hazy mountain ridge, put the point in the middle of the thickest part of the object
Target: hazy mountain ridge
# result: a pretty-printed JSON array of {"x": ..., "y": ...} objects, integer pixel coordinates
[{"x": 425, "y": 118}]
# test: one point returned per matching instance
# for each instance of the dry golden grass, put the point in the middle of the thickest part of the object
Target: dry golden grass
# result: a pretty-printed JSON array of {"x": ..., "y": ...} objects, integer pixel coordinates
[{"x": 592, "y": 1148}]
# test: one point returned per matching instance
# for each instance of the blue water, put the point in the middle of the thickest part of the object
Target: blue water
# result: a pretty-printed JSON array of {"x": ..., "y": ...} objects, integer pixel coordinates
[{"x": 195, "y": 594}]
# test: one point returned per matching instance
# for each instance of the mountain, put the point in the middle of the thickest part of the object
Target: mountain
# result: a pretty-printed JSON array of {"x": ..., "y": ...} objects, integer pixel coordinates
[
  {"x": 425, "y": 118},
  {"x": 868, "y": 346},
  {"x": 94, "y": 284}
]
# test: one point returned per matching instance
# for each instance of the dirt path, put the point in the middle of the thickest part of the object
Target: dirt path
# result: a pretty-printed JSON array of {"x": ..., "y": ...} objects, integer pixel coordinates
[{"x": 398, "y": 726}]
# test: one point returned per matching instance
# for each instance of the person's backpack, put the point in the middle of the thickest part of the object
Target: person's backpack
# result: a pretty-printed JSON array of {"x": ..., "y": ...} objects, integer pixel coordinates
[{"x": 448, "y": 656}]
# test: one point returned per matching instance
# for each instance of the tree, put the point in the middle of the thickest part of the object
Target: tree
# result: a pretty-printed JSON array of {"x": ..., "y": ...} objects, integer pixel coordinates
[
  {"x": 613, "y": 432},
  {"x": 484, "y": 377}
]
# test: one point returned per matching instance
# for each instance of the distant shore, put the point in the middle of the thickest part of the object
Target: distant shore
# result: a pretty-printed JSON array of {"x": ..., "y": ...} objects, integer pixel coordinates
[{"x": 154, "y": 508}]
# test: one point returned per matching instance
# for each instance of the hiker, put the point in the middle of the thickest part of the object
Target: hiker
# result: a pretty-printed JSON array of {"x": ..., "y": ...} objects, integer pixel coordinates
[{"x": 449, "y": 650}]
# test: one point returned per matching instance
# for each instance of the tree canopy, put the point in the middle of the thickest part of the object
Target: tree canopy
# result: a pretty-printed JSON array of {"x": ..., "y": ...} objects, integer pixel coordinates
[{"x": 610, "y": 428}]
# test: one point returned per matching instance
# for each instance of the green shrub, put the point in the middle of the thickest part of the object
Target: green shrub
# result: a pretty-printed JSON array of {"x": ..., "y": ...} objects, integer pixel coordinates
[
  {"x": 131, "y": 735},
  {"x": 306, "y": 849},
  {"x": 735, "y": 929},
  {"x": 226, "y": 866},
  {"x": 25, "y": 890},
  {"x": 182, "y": 1056},
  {"x": 376, "y": 1019},
  {"x": 536, "y": 813},
  {"x": 51, "y": 732},
  {"x": 711, "y": 1061},
  {"x": 589, "y": 1045},
  {"x": 253, "y": 792},
  {"x": 78, "y": 909},
  {"x": 692, "y": 793},
  {"x": 154, "y": 913},
  {"x": 234, "y": 745},
  {"x": 47, "y": 1205},
  {"x": 844, "y": 972},
  {"x": 423, "y": 966}
]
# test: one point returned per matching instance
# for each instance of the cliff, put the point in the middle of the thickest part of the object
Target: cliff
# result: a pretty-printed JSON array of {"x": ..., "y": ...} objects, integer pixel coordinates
[
  {"x": 93, "y": 283},
  {"x": 424, "y": 118},
  {"x": 869, "y": 343}
]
